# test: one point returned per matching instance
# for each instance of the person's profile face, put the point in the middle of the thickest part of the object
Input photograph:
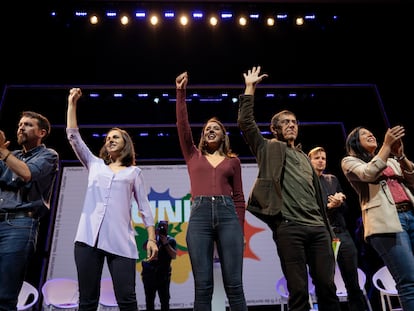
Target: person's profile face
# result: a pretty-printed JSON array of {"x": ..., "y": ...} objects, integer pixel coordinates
[
  {"x": 367, "y": 140},
  {"x": 28, "y": 131},
  {"x": 114, "y": 141}
]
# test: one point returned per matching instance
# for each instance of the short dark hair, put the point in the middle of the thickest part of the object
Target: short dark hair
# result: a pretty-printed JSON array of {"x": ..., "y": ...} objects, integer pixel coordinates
[
  {"x": 276, "y": 118},
  {"x": 42, "y": 121}
]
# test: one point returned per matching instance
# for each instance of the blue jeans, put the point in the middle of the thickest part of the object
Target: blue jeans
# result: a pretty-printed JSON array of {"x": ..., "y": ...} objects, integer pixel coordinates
[
  {"x": 89, "y": 264},
  {"x": 18, "y": 239},
  {"x": 214, "y": 219},
  {"x": 396, "y": 250},
  {"x": 348, "y": 265},
  {"x": 301, "y": 247}
]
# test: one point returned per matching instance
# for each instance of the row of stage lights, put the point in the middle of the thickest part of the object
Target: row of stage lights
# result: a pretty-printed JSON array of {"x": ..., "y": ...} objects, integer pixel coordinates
[
  {"x": 156, "y": 99},
  {"x": 185, "y": 19}
]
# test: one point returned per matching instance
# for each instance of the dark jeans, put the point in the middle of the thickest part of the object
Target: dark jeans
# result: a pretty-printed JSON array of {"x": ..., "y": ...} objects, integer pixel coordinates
[
  {"x": 155, "y": 281},
  {"x": 89, "y": 264},
  {"x": 396, "y": 250},
  {"x": 301, "y": 247},
  {"x": 214, "y": 219},
  {"x": 348, "y": 264},
  {"x": 18, "y": 239}
]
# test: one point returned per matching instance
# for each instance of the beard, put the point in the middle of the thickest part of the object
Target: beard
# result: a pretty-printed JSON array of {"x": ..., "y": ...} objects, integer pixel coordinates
[{"x": 21, "y": 139}]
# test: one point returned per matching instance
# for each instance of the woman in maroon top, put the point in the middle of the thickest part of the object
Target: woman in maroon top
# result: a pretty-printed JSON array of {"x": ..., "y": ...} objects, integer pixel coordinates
[{"x": 218, "y": 207}]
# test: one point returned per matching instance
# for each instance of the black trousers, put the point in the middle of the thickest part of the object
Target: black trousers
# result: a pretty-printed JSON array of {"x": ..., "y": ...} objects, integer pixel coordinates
[
  {"x": 154, "y": 281},
  {"x": 301, "y": 248},
  {"x": 89, "y": 264}
]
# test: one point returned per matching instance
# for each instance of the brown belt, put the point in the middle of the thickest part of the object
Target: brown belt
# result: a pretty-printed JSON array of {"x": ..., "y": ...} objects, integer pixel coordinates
[
  {"x": 14, "y": 215},
  {"x": 404, "y": 207}
]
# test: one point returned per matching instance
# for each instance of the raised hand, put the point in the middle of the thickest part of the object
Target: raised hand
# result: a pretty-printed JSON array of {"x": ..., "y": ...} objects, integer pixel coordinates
[
  {"x": 253, "y": 76},
  {"x": 393, "y": 137},
  {"x": 181, "y": 81},
  {"x": 74, "y": 94},
  {"x": 3, "y": 142}
]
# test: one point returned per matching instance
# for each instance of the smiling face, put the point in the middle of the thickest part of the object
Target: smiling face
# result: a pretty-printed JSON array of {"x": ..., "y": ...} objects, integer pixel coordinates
[
  {"x": 213, "y": 134},
  {"x": 367, "y": 140},
  {"x": 114, "y": 143}
]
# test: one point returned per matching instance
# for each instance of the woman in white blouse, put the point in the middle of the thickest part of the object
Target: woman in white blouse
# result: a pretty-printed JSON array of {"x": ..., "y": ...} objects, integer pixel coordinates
[{"x": 105, "y": 228}]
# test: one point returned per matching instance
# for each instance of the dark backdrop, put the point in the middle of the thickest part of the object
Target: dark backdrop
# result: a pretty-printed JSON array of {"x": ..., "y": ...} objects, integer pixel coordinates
[{"x": 356, "y": 69}]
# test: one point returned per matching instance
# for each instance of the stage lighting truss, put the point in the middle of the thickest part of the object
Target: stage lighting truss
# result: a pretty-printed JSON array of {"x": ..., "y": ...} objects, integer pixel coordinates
[{"x": 270, "y": 17}]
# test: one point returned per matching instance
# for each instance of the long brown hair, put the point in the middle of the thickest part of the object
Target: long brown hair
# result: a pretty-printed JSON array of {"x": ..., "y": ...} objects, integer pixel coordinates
[
  {"x": 225, "y": 145},
  {"x": 354, "y": 147},
  {"x": 127, "y": 155}
]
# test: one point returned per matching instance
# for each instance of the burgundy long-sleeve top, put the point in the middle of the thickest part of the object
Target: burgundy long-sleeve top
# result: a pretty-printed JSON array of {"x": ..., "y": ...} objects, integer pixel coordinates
[{"x": 224, "y": 179}]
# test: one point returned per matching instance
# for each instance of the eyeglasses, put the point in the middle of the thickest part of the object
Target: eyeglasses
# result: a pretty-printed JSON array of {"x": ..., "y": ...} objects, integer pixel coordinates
[{"x": 286, "y": 122}]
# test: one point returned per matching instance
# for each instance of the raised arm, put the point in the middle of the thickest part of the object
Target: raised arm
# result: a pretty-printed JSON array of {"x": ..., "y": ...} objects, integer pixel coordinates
[
  {"x": 82, "y": 151},
  {"x": 245, "y": 118},
  {"x": 183, "y": 125},
  {"x": 74, "y": 95}
]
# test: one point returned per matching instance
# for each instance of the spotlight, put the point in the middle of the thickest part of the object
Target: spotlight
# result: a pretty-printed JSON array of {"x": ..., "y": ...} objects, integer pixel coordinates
[
  {"x": 183, "y": 20},
  {"x": 154, "y": 20},
  {"x": 270, "y": 21},
  {"x": 213, "y": 21},
  {"x": 242, "y": 21},
  {"x": 169, "y": 15},
  {"x": 198, "y": 15},
  {"x": 226, "y": 15},
  {"x": 111, "y": 14},
  {"x": 140, "y": 15},
  {"x": 93, "y": 19},
  {"x": 80, "y": 13},
  {"x": 124, "y": 20},
  {"x": 299, "y": 21}
]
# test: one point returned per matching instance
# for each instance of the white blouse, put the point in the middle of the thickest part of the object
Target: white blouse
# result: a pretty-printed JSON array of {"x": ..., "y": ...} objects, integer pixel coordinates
[{"x": 106, "y": 219}]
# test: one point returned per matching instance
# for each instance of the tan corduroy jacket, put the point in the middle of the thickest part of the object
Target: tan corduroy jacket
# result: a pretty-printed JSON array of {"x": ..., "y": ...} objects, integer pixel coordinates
[{"x": 379, "y": 214}]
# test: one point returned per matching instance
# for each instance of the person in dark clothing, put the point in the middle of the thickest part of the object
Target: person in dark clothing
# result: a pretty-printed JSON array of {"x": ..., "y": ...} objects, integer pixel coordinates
[
  {"x": 334, "y": 200},
  {"x": 287, "y": 197},
  {"x": 156, "y": 273}
]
